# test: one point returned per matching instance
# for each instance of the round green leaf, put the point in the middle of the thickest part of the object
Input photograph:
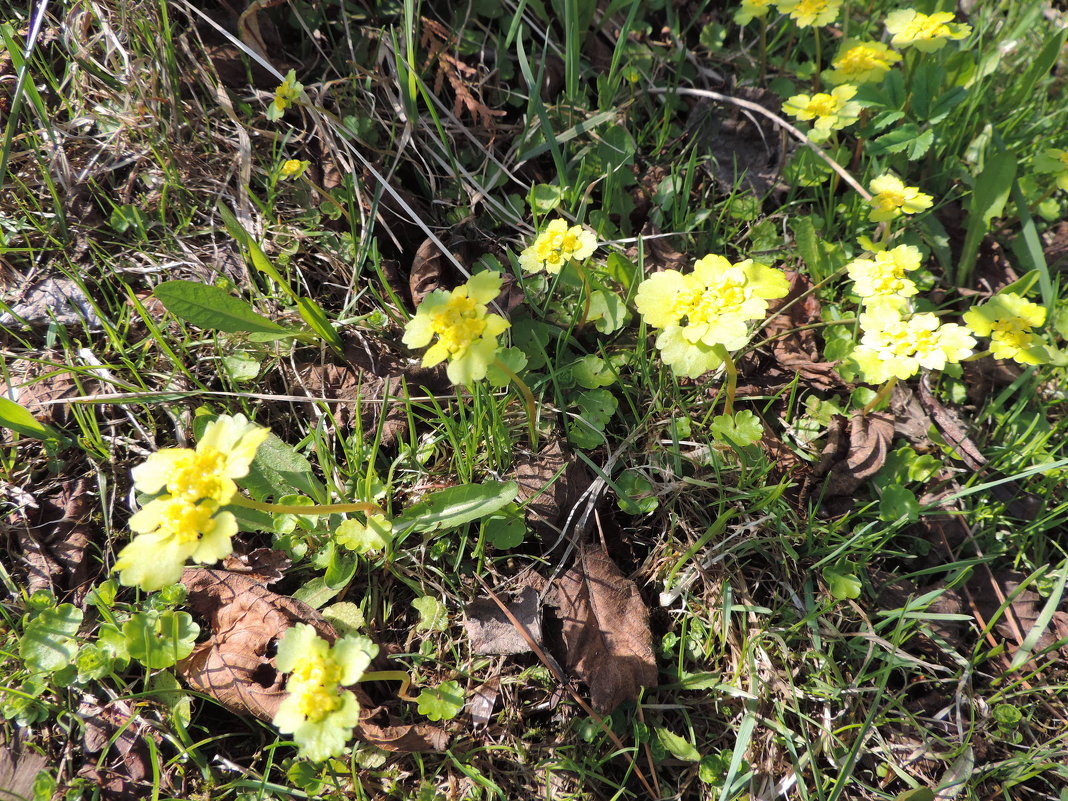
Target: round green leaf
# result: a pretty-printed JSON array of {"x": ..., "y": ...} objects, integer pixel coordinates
[{"x": 48, "y": 642}]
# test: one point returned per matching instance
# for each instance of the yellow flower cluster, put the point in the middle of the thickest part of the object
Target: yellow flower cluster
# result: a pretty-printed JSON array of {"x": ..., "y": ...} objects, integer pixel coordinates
[
  {"x": 316, "y": 710},
  {"x": 292, "y": 168},
  {"x": 185, "y": 522},
  {"x": 862, "y": 62},
  {"x": 882, "y": 279},
  {"x": 556, "y": 246},
  {"x": 710, "y": 307},
  {"x": 1008, "y": 320},
  {"x": 831, "y": 111},
  {"x": 896, "y": 344},
  {"x": 926, "y": 32},
  {"x": 465, "y": 329},
  {"x": 891, "y": 198},
  {"x": 287, "y": 93},
  {"x": 807, "y": 13}
]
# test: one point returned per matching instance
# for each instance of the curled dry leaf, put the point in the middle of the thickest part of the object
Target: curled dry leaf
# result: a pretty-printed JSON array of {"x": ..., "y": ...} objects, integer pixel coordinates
[
  {"x": 606, "y": 632},
  {"x": 491, "y": 632},
  {"x": 244, "y": 617},
  {"x": 54, "y": 539},
  {"x": 849, "y": 464},
  {"x": 232, "y": 665},
  {"x": 795, "y": 347},
  {"x": 265, "y": 565},
  {"x": 115, "y": 727}
]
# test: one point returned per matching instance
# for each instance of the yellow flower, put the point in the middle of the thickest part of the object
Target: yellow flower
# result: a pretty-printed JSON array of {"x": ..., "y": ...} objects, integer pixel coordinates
[
  {"x": 892, "y": 198},
  {"x": 710, "y": 306},
  {"x": 224, "y": 453},
  {"x": 862, "y": 62},
  {"x": 750, "y": 10},
  {"x": 1008, "y": 319},
  {"x": 466, "y": 331},
  {"x": 170, "y": 531},
  {"x": 1054, "y": 161},
  {"x": 832, "y": 111},
  {"x": 292, "y": 168},
  {"x": 556, "y": 246},
  {"x": 895, "y": 346},
  {"x": 316, "y": 710},
  {"x": 926, "y": 32},
  {"x": 884, "y": 275},
  {"x": 810, "y": 12},
  {"x": 287, "y": 93}
]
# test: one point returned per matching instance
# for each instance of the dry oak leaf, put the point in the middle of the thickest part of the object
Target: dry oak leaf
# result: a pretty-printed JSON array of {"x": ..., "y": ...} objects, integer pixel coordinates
[
  {"x": 54, "y": 539},
  {"x": 607, "y": 640},
  {"x": 491, "y": 632},
  {"x": 232, "y": 665},
  {"x": 126, "y": 776},
  {"x": 795, "y": 347},
  {"x": 870, "y": 436},
  {"x": 244, "y": 617},
  {"x": 550, "y": 484}
]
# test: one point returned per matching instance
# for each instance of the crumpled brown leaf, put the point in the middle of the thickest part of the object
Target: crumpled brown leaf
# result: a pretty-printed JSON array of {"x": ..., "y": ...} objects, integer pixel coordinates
[
  {"x": 606, "y": 632},
  {"x": 55, "y": 537},
  {"x": 798, "y": 350},
  {"x": 43, "y": 390},
  {"x": 551, "y": 482},
  {"x": 491, "y": 632},
  {"x": 657, "y": 251},
  {"x": 232, "y": 665},
  {"x": 127, "y": 776},
  {"x": 850, "y": 464},
  {"x": 265, "y": 565},
  {"x": 244, "y": 618}
]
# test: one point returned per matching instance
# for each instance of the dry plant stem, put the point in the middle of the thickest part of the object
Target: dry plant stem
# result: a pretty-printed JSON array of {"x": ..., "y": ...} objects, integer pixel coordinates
[
  {"x": 560, "y": 677},
  {"x": 392, "y": 675},
  {"x": 732, "y": 377},
  {"x": 528, "y": 400},
  {"x": 757, "y": 108},
  {"x": 881, "y": 395},
  {"x": 316, "y": 509}
]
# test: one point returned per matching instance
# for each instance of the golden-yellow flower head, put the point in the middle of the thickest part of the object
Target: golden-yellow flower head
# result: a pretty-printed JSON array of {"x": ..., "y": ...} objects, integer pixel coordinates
[
  {"x": 810, "y": 12},
  {"x": 751, "y": 10},
  {"x": 185, "y": 523},
  {"x": 292, "y": 168},
  {"x": 891, "y": 198},
  {"x": 287, "y": 93},
  {"x": 926, "y": 32},
  {"x": 1008, "y": 320},
  {"x": 883, "y": 276},
  {"x": 1052, "y": 160},
  {"x": 710, "y": 307},
  {"x": 897, "y": 346},
  {"x": 831, "y": 111},
  {"x": 556, "y": 246},
  {"x": 465, "y": 329},
  {"x": 862, "y": 62},
  {"x": 317, "y": 711}
]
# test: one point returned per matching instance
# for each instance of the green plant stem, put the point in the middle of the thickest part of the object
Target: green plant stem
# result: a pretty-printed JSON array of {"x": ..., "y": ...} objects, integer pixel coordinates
[
  {"x": 881, "y": 395},
  {"x": 315, "y": 509},
  {"x": 528, "y": 399},
  {"x": 732, "y": 378},
  {"x": 392, "y": 675},
  {"x": 586, "y": 294}
]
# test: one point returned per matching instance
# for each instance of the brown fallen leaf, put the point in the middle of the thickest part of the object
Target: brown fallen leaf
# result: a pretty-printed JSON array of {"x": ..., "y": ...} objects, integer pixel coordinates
[
  {"x": 265, "y": 565},
  {"x": 116, "y": 727},
  {"x": 244, "y": 618},
  {"x": 44, "y": 389},
  {"x": 869, "y": 443},
  {"x": 606, "y": 632},
  {"x": 551, "y": 482},
  {"x": 491, "y": 632},
  {"x": 482, "y": 702},
  {"x": 18, "y": 770},
  {"x": 792, "y": 345},
  {"x": 657, "y": 251},
  {"x": 232, "y": 665},
  {"x": 55, "y": 539}
]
